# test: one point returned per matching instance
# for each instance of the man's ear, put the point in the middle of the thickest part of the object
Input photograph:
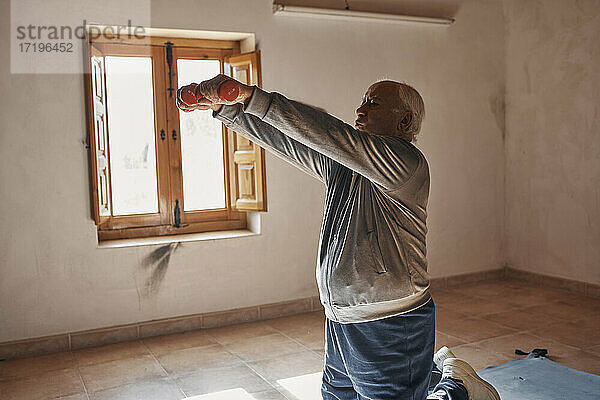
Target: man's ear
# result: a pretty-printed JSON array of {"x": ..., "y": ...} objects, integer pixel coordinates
[{"x": 405, "y": 121}]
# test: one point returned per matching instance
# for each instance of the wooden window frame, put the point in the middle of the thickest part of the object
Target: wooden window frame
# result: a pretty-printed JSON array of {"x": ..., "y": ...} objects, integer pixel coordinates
[{"x": 245, "y": 188}]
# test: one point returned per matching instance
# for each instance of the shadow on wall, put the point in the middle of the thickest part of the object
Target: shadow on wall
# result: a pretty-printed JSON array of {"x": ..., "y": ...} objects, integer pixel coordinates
[
  {"x": 156, "y": 264},
  {"x": 498, "y": 108}
]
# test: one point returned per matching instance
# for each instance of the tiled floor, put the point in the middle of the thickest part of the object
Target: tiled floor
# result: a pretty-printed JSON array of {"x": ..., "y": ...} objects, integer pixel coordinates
[{"x": 282, "y": 358}]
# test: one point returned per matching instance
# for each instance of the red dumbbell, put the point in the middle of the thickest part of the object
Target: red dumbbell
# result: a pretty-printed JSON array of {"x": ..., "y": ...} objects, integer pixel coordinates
[
  {"x": 187, "y": 94},
  {"x": 229, "y": 90}
]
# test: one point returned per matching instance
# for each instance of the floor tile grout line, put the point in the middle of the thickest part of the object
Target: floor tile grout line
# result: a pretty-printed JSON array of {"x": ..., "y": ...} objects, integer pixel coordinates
[
  {"x": 284, "y": 354},
  {"x": 75, "y": 367},
  {"x": 247, "y": 363},
  {"x": 286, "y": 336},
  {"x": 569, "y": 345},
  {"x": 524, "y": 331},
  {"x": 87, "y": 395},
  {"x": 453, "y": 337},
  {"x": 515, "y": 331},
  {"x": 122, "y": 359},
  {"x": 249, "y": 366},
  {"x": 558, "y": 341},
  {"x": 171, "y": 378},
  {"x": 512, "y": 307},
  {"x": 491, "y": 350},
  {"x": 478, "y": 342},
  {"x": 76, "y": 363},
  {"x": 558, "y": 318},
  {"x": 277, "y": 330},
  {"x": 299, "y": 342}
]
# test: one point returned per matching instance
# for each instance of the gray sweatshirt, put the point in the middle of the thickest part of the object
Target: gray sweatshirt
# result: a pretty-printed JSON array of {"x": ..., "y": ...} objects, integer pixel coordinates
[{"x": 372, "y": 256}]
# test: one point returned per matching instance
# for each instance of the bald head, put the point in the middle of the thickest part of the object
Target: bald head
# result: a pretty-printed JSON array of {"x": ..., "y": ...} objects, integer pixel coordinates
[{"x": 391, "y": 108}]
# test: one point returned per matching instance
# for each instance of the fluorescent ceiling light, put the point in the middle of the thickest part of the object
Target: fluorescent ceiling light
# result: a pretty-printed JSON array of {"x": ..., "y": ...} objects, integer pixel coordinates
[{"x": 350, "y": 15}]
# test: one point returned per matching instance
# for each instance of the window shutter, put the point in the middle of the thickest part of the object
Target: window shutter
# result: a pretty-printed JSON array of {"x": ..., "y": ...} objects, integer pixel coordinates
[
  {"x": 246, "y": 159},
  {"x": 99, "y": 138}
]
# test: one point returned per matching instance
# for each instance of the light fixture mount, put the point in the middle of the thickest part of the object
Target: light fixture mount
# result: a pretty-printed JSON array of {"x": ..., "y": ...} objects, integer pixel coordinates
[{"x": 351, "y": 15}]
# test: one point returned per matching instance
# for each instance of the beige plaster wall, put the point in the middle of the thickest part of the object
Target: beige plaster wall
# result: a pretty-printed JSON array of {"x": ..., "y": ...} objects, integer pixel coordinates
[
  {"x": 54, "y": 279},
  {"x": 552, "y": 145}
]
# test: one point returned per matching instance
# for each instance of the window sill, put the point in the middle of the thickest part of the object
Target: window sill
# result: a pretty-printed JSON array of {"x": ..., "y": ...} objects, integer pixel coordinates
[{"x": 189, "y": 237}]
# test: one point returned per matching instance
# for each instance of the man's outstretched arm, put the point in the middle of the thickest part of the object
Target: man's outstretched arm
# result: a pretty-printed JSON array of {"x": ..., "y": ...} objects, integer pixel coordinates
[
  {"x": 386, "y": 160},
  {"x": 271, "y": 139},
  {"x": 250, "y": 126}
]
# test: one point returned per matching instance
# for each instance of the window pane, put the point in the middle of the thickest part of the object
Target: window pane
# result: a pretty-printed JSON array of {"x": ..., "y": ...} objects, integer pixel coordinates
[
  {"x": 201, "y": 144},
  {"x": 130, "y": 106}
]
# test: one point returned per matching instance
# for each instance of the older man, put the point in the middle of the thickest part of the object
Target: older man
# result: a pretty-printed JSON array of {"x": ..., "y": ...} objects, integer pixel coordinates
[{"x": 372, "y": 270}]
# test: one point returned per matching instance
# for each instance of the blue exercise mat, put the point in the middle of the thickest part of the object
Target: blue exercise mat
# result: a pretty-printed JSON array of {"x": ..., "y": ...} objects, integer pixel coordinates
[{"x": 538, "y": 378}]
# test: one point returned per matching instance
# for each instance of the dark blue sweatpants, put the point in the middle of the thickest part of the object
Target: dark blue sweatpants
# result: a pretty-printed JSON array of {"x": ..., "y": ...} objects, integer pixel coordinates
[{"x": 387, "y": 359}]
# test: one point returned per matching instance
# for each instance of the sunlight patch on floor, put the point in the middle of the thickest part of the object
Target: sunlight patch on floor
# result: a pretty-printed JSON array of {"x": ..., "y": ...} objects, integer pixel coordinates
[
  {"x": 304, "y": 387},
  {"x": 230, "y": 394}
]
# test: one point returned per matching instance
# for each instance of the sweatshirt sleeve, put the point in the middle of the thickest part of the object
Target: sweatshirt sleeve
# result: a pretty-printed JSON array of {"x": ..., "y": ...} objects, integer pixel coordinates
[
  {"x": 385, "y": 160},
  {"x": 270, "y": 138}
]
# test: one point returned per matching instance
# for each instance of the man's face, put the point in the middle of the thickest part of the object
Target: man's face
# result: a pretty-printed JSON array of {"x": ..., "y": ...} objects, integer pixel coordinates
[{"x": 378, "y": 113}]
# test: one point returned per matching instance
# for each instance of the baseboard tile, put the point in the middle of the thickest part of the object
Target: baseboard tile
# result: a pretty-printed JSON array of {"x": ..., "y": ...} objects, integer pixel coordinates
[
  {"x": 316, "y": 304},
  {"x": 565, "y": 284},
  {"x": 437, "y": 283},
  {"x": 285, "y": 308},
  {"x": 541, "y": 280},
  {"x": 230, "y": 317},
  {"x": 102, "y": 336},
  {"x": 525, "y": 276},
  {"x": 169, "y": 326},
  {"x": 462, "y": 279},
  {"x": 592, "y": 290},
  {"x": 97, "y": 337},
  {"x": 494, "y": 274},
  {"x": 32, "y": 347}
]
